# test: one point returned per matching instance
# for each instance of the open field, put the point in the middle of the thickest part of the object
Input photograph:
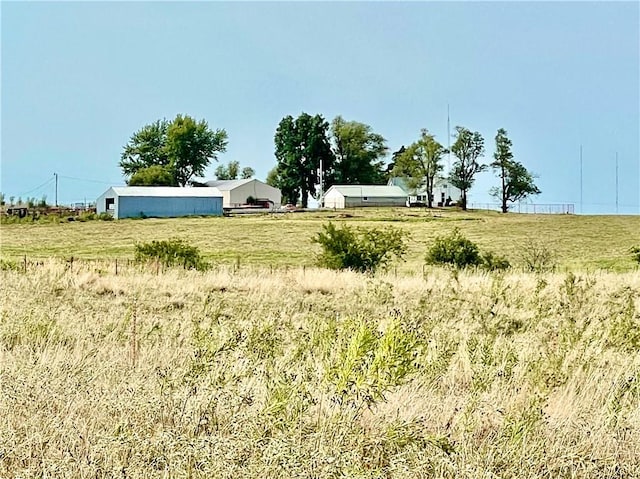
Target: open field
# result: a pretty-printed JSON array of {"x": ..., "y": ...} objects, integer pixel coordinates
[
  {"x": 579, "y": 242},
  {"x": 276, "y": 369},
  {"x": 312, "y": 373}
]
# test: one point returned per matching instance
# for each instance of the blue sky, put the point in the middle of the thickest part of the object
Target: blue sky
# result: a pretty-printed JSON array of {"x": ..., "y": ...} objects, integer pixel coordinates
[{"x": 79, "y": 78}]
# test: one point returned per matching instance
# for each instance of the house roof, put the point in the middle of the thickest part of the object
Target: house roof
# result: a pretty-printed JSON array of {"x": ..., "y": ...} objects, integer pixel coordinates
[
  {"x": 227, "y": 185},
  {"x": 370, "y": 191},
  {"x": 166, "y": 191}
]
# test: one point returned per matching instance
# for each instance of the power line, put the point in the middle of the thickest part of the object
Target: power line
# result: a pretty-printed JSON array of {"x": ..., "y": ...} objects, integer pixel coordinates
[
  {"x": 88, "y": 180},
  {"x": 38, "y": 187}
]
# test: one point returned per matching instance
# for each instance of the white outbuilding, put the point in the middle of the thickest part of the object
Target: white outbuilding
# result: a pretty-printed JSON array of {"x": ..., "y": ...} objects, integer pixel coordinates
[
  {"x": 238, "y": 193},
  {"x": 351, "y": 196}
]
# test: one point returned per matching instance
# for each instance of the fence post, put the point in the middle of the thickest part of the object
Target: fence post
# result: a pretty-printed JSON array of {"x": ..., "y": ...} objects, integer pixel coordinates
[
  {"x": 25, "y": 263},
  {"x": 116, "y": 266}
]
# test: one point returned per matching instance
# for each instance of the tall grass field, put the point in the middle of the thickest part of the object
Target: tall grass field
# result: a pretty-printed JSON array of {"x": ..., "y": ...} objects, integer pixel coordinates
[{"x": 265, "y": 366}]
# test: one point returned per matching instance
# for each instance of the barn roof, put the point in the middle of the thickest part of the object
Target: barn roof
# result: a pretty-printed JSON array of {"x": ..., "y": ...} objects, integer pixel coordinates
[
  {"x": 228, "y": 185},
  {"x": 166, "y": 191},
  {"x": 370, "y": 191}
]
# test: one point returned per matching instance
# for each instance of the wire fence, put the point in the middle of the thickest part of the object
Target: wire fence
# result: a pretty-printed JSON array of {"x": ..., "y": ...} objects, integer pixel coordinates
[
  {"x": 125, "y": 266},
  {"x": 532, "y": 208}
]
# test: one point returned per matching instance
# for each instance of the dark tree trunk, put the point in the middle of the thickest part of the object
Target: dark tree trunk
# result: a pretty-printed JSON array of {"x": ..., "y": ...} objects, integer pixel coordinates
[{"x": 504, "y": 193}]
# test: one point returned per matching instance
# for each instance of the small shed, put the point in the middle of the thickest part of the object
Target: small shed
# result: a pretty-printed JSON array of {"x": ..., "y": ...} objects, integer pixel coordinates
[
  {"x": 237, "y": 193},
  {"x": 350, "y": 196},
  {"x": 159, "y": 202}
]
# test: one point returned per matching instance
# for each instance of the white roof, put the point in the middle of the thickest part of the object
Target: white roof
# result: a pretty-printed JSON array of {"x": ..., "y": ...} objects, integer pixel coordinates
[
  {"x": 228, "y": 185},
  {"x": 166, "y": 191},
  {"x": 370, "y": 191}
]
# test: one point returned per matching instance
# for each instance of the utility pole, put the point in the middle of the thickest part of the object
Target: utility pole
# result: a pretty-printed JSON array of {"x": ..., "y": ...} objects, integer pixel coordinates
[
  {"x": 448, "y": 152},
  {"x": 616, "y": 182},
  {"x": 581, "y": 209},
  {"x": 56, "y": 175},
  {"x": 321, "y": 185}
]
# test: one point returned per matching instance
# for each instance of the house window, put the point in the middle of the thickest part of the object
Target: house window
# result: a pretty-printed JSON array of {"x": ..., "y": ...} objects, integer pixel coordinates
[
  {"x": 110, "y": 203},
  {"x": 365, "y": 198}
]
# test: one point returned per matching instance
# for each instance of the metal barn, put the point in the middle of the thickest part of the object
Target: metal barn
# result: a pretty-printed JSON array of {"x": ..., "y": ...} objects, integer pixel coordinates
[
  {"x": 235, "y": 193},
  {"x": 350, "y": 196},
  {"x": 159, "y": 202}
]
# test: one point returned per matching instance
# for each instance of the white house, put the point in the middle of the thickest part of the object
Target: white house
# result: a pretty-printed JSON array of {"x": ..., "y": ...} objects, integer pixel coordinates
[
  {"x": 443, "y": 192},
  {"x": 237, "y": 193},
  {"x": 350, "y": 196}
]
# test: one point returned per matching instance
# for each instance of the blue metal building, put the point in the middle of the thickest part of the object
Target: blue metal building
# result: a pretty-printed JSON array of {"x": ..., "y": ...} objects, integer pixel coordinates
[{"x": 159, "y": 202}]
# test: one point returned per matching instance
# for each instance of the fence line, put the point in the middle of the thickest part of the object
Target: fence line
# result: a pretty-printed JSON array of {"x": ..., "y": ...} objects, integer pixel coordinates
[
  {"x": 123, "y": 266},
  {"x": 531, "y": 208}
]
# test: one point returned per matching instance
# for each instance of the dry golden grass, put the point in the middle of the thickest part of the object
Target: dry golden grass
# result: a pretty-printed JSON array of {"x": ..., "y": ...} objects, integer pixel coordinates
[{"x": 233, "y": 374}]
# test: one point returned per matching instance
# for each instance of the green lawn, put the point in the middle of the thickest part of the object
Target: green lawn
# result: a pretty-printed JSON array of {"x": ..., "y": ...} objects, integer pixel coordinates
[{"x": 579, "y": 242}]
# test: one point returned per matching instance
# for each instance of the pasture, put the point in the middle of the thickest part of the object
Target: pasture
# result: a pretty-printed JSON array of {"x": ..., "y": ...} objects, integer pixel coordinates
[
  {"x": 578, "y": 242},
  {"x": 279, "y": 369}
]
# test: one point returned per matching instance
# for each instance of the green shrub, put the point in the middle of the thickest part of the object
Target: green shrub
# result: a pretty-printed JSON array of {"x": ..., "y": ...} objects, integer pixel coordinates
[
  {"x": 104, "y": 217},
  {"x": 492, "y": 262},
  {"x": 537, "y": 257},
  {"x": 8, "y": 265},
  {"x": 169, "y": 253},
  {"x": 359, "y": 249},
  {"x": 454, "y": 250},
  {"x": 635, "y": 254}
]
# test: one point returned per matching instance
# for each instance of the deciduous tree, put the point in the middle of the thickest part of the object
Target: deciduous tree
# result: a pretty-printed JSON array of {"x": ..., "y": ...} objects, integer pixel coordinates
[
  {"x": 468, "y": 147},
  {"x": 359, "y": 153},
  {"x": 301, "y": 145},
  {"x": 228, "y": 171},
  {"x": 155, "y": 175},
  {"x": 421, "y": 164},
  {"x": 147, "y": 147},
  {"x": 191, "y": 146},
  {"x": 231, "y": 171},
  {"x": 184, "y": 147},
  {"x": 247, "y": 172},
  {"x": 516, "y": 183}
]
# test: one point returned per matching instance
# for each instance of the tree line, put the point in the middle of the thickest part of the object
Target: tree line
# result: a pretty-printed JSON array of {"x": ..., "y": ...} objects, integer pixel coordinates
[{"x": 312, "y": 155}]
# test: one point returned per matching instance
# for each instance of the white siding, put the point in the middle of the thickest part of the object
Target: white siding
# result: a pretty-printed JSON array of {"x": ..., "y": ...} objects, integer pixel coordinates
[{"x": 334, "y": 199}]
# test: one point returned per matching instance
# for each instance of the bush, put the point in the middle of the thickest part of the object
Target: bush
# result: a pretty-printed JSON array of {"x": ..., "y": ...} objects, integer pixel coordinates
[
  {"x": 8, "y": 265},
  {"x": 359, "y": 249},
  {"x": 537, "y": 257},
  {"x": 454, "y": 250},
  {"x": 492, "y": 262},
  {"x": 104, "y": 217},
  {"x": 635, "y": 254},
  {"x": 169, "y": 253}
]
